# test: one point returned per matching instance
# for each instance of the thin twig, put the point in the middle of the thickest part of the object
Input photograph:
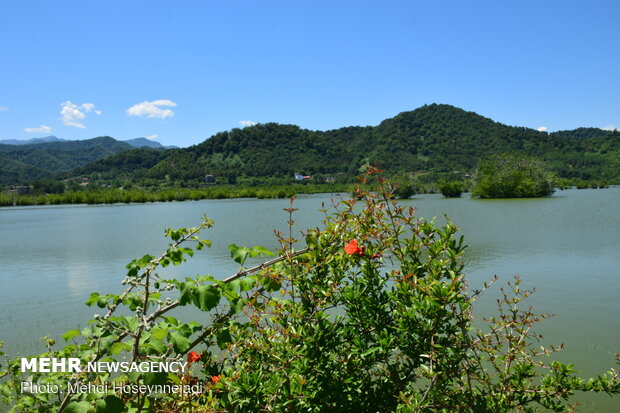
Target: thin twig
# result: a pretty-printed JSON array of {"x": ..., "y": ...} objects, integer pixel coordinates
[{"x": 265, "y": 265}]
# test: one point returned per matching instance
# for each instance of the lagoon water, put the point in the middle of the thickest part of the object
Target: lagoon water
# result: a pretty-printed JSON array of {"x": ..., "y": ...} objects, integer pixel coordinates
[{"x": 566, "y": 246}]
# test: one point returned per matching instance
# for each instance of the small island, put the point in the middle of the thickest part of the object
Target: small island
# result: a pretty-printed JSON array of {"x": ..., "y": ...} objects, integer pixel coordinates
[{"x": 513, "y": 176}]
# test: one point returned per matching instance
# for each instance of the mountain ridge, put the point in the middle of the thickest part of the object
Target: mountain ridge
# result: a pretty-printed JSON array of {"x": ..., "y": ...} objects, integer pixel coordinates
[
  {"x": 435, "y": 138},
  {"x": 439, "y": 138},
  {"x": 27, "y": 163},
  {"x": 32, "y": 141}
]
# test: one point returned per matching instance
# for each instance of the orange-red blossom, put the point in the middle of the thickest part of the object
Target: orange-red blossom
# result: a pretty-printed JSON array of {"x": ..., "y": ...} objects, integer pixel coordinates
[
  {"x": 353, "y": 248},
  {"x": 193, "y": 357}
]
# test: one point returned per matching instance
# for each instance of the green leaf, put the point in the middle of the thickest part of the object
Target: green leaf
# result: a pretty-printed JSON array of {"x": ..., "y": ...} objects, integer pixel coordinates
[
  {"x": 370, "y": 351},
  {"x": 171, "y": 320},
  {"x": 130, "y": 322},
  {"x": 175, "y": 254},
  {"x": 79, "y": 407},
  {"x": 118, "y": 347},
  {"x": 110, "y": 404},
  {"x": 173, "y": 378},
  {"x": 270, "y": 284},
  {"x": 233, "y": 286},
  {"x": 180, "y": 343},
  {"x": 247, "y": 283},
  {"x": 206, "y": 297},
  {"x": 239, "y": 254},
  {"x": 70, "y": 334},
  {"x": 132, "y": 269},
  {"x": 146, "y": 260},
  {"x": 154, "y": 347},
  {"x": 93, "y": 299},
  {"x": 159, "y": 333},
  {"x": 203, "y": 243},
  {"x": 188, "y": 251},
  {"x": 208, "y": 279},
  {"x": 262, "y": 251},
  {"x": 223, "y": 337},
  {"x": 155, "y": 378},
  {"x": 236, "y": 305},
  {"x": 187, "y": 290},
  {"x": 175, "y": 235}
]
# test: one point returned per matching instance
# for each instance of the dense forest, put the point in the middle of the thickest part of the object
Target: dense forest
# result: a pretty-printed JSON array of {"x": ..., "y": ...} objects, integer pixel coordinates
[
  {"x": 26, "y": 163},
  {"x": 435, "y": 139},
  {"x": 45, "y": 158}
]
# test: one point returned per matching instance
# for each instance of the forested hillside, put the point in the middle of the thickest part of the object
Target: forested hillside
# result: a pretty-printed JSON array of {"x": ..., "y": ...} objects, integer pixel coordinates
[
  {"x": 128, "y": 164},
  {"x": 27, "y": 163},
  {"x": 433, "y": 138},
  {"x": 263, "y": 150},
  {"x": 436, "y": 139}
]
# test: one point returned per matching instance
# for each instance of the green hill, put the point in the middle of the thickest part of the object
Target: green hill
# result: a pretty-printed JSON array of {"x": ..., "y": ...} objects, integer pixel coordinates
[
  {"x": 126, "y": 164},
  {"x": 433, "y": 138},
  {"x": 262, "y": 150},
  {"x": 437, "y": 139},
  {"x": 26, "y": 163}
]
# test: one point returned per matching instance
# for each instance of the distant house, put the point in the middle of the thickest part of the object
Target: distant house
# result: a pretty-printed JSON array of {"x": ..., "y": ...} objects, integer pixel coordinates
[
  {"x": 300, "y": 177},
  {"x": 18, "y": 189},
  {"x": 209, "y": 179}
]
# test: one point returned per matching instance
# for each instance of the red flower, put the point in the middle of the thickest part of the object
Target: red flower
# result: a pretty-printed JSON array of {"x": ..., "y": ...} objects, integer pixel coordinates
[
  {"x": 375, "y": 256},
  {"x": 193, "y": 357},
  {"x": 352, "y": 248},
  {"x": 215, "y": 379}
]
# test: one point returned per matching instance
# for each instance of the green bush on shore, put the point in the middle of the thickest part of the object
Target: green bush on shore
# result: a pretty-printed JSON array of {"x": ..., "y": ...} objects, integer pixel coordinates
[
  {"x": 513, "y": 176},
  {"x": 450, "y": 189}
]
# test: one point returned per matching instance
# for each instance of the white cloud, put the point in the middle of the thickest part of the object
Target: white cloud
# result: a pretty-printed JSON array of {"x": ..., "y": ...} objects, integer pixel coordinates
[
  {"x": 73, "y": 114},
  {"x": 151, "y": 137},
  {"x": 40, "y": 129},
  {"x": 152, "y": 109},
  {"x": 3, "y": 108},
  {"x": 88, "y": 107},
  {"x": 610, "y": 128},
  {"x": 247, "y": 123},
  {"x": 542, "y": 129}
]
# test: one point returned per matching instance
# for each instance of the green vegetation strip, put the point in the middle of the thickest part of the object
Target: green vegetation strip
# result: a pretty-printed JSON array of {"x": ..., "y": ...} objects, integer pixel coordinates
[{"x": 113, "y": 196}]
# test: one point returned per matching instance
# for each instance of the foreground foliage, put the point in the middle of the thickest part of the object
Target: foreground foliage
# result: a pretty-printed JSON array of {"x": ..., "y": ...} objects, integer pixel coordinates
[{"x": 373, "y": 314}]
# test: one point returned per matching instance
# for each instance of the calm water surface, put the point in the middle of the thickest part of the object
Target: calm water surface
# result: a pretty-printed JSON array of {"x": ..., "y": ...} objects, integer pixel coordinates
[{"x": 566, "y": 246}]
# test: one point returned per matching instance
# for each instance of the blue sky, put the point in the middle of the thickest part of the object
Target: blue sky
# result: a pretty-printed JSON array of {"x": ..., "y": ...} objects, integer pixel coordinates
[{"x": 182, "y": 71}]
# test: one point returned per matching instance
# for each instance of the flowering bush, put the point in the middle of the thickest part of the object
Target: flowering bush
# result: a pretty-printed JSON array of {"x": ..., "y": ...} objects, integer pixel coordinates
[{"x": 372, "y": 314}]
